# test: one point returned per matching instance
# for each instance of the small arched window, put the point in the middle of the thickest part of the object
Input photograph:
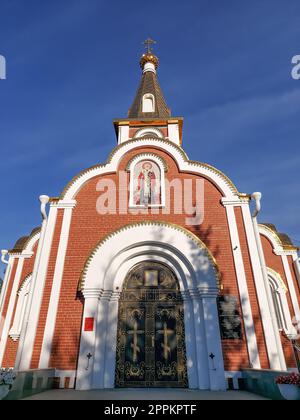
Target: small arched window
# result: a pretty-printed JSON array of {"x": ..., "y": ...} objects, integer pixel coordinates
[
  {"x": 23, "y": 294},
  {"x": 280, "y": 303},
  {"x": 148, "y": 103}
]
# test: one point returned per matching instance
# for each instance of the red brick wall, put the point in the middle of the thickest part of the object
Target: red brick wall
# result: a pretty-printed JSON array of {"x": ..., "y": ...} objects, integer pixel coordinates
[
  {"x": 47, "y": 293},
  {"x": 88, "y": 228},
  {"x": 12, "y": 346}
]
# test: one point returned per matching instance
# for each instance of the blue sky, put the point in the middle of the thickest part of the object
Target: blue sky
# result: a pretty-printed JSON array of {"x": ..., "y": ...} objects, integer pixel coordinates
[{"x": 72, "y": 66}]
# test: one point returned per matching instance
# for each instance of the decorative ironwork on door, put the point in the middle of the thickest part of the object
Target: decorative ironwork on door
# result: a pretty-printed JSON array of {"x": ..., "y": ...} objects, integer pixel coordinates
[{"x": 151, "y": 338}]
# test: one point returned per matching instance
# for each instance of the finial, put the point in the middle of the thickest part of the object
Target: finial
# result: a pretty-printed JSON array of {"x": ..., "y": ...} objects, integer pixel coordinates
[
  {"x": 149, "y": 61},
  {"x": 148, "y": 44}
]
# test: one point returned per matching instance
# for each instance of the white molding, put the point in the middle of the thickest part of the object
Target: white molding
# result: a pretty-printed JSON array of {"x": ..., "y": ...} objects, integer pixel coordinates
[
  {"x": 5, "y": 284},
  {"x": 243, "y": 289},
  {"x": 295, "y": 257},
  {"x": 28, "y": 334},
  {"x": 10, "y": 309},
  {"x": 56, "y": 288},
  {"x": 276, "y": 245},
  {"x": 23, "y": 292},
  {"x": 63, "y": 374},
  {"x": 173, "y": 132},
  {"x": 234, "y": 202},
  {"x": 123, "y": 133},
  {"x": 282, "y": 290},
  {"x": 176, "y": 152},
  {"x": 268, "y": 316}
]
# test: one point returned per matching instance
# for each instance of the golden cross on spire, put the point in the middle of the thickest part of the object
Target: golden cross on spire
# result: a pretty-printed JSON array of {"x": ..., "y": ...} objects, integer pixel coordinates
[{"x": 148, "y": 43}]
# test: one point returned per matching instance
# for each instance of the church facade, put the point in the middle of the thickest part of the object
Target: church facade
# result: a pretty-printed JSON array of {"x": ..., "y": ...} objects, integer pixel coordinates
[{"x": 150, "y": 270}]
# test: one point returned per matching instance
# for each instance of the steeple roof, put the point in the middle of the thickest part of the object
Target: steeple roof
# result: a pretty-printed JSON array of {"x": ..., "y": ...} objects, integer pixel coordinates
[{"x": 149, "y": 86}]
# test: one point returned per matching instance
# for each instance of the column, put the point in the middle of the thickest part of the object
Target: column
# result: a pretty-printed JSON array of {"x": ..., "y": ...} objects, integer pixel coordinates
[
  {"x": 12, "y": 300},
  {"x": 190, "y": 334},
  {"x": 36, "y": 291},
  {"x": 242, "y": 285},
  {"x": 88, "y": 339},
  {"x": 102, "y": 331},
  {"x": 57, "y": 281},
  {"x": 265, "y": 301},
  {"x": 213, "y": 342}
]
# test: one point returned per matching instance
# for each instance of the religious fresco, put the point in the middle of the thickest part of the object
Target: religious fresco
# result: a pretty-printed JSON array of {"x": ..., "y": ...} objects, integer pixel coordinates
[{"x": 147, "y": 184}]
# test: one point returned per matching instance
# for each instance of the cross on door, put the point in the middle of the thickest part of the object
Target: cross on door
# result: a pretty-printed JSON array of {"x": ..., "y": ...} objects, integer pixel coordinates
[
  {"x": 135, "y": 332},
  {"x": 165, "y": 346}
]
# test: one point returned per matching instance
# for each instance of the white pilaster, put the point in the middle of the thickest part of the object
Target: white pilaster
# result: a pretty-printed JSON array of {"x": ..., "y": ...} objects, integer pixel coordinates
[
  {"x": 213, "y": 342},
  {"x": 295, "y": 257},
  {"x": 242, "y": 286},
  {"x": 190, "y": 334},
  {"x": 291, "y": 285},
  {"x": 22, "y": 294},
  {"x": 268, "y": 316},
  {"x": 57, "y": 281},
  {"x": 111, "y": 341},
  {"x": 36, "y": 292},
  {"x": 123, "y": 134},
  {"x": 5, "y": 284},
  {"x": 12, "y": 300},
  {"x": 173, "y": 132},
  {"x": 88, "y": 340},
  {"x": 200, "y": 341}
]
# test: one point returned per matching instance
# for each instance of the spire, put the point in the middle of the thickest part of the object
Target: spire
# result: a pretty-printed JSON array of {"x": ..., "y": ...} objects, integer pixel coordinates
[{"x": 149, "y": 101}]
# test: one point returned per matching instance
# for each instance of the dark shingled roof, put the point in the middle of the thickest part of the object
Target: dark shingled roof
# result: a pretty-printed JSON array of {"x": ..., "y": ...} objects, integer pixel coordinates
[
  {"x": 21, "y": 243},
  {"x": 149, "y": 84},
  {"x": 283, "y": 237}
]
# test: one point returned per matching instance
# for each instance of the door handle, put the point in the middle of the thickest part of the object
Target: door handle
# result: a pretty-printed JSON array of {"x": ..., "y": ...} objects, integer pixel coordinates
[{"x": 153, "y": 341}]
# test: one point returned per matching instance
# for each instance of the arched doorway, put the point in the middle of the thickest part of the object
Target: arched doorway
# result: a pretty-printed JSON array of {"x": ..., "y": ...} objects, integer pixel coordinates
[
  {"x": 151, "y": 337},
  {"x": 102, "y": 285}
]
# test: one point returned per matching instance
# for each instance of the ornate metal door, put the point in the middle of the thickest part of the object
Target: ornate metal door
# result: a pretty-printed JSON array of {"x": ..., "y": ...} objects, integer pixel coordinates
[{"x": 151, "y": 339}]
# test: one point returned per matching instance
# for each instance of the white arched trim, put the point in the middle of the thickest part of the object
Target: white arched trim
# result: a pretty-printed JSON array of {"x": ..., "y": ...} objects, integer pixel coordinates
[
  {"x": 167, "y": 236},
  {"x": 23, "y": 293},
  {"x": 281, "y": 307},
  {"x": 226, "y": 187},
  {"x": 149, "y": 131},
  {"x": 102, "y": 283},
  {"x": 32, "y": 240},
  {"x": 272, "y": 237}
]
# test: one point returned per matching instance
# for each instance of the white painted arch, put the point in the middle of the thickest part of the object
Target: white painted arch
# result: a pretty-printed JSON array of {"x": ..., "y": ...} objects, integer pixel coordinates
[
  {"x": 226, "y": 187},
  {"x": 102, "y": 284}
]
